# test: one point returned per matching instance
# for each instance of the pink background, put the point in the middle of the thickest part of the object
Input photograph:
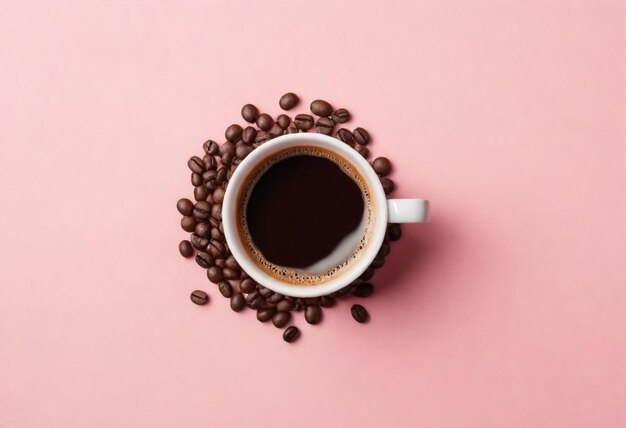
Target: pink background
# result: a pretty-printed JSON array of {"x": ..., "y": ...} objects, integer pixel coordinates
[{"x": 507, "y": 310}]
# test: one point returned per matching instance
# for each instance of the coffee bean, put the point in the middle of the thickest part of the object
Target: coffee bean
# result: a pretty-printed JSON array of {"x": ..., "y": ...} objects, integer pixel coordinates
[
  {"x": 264, "y": 315},
  {"x": 247, "y": 285},
  {"x": 214, "y": 222},
  {"x": 225, "y": 288},
  {"x": 249, "y": 112},
  {"x": 341, "y": 116},
  {"x": 209, "y": 176},
  {"x": 248, "y": 135},
  {"x": 185, "y": 248},
  {"x": 242, "y": 150},
  {"x": 385, "y": 248},
  {"x": 388, "y": 185},
  {"x": 210, "y": 162},
  {"x": 199, "y": 242},
  {"x": 264, "y": 121},
  {"x": 324, "y": 126},
  {"x": 276, "y": 131},
  {"x": 200, "y": 193},
  {"x": 321, "y": 108},
  {"x": 216, "y": 212},
  {"x": 368, "y": 274},
  {"x": 275, "y": 298},
  {"x": 231, "y": 263},
  {"x": 363, "y": 151},
  {"x": 359, "y": 313},
  {"x": 303, "y": 122},
  {"x": 285, "y": 305},
  {"x": 345, "y": 135},
  {"x": 261, "y": 137},
  {"x": 214, "y": 273},
  {"x": 199, "y": 297},
  {"x": 184, "y": 206},
  {"x": 298, "y": 307},
  {"x": 394, "y": 232},
  {"x": 363, "y": 290},
  {"x": 244, "y": 275},
  {"x": 292, "y": 129},
  {"x": 230, "y": 273},
  {"x": 216, "y": 249},
  {"x": 237, "y": 302},
  {"x": 313, "y": 314},
  {"x": 204, "y": 260},
  {"x": 227, "y": 153},
  {"x": 196, "y": 164},
  {"x": 291, "y": 334},
  {"x": 378, "y": 262},
  {"x": 382, "y": 166},
  {"x": 233, "y": 132},
  {"x": 209, "y": 197},
  {"x": 196, "y": 179},
  {"x": 254, "y": 300},
  {"x": 220, "y": 175},
  {"x": 202, "y": 210},
  {"x": 202, "y": 229},
  {"x": 288, "y": 101},
  {"x": 188, "y": 223},
  {"x": 265, "y": 292},
  {"x": 220, "y": 263},
  {"x": 280, "y": 319},
  {"x": 283, "y": 121},
  {"x": 327, "y": 302},
  {"x": 218, "y": 195},
  {"x": 312, "y": 300},
  {"x": 211, "y": 147},
  {"x": 361, "y": 136}
]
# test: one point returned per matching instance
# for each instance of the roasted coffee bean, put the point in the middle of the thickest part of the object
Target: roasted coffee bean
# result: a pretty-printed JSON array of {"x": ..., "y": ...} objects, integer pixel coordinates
[
  {"x": 188, "y": 223},
  {"x": 384, "y": 250},
  {"x": 218, "y": 195},
  {"x": 216, "y": 249},
  {"x": 285, "y": 305},
  {"x": 363, "y": 151},
  {"x": 199, "y": 297},
  {"x": 361, "y": 136},
  {"x": 345, "y": 135},
  {"x": 196, "y": 179},
  {"x": 247, "y": 285},
  {"x": 231, "y": 263},
  {"x": 200, "y": 193},
  {"x": 209, "y": 198},
  {"x": 292, "y": 129},
  {"x": 214, "y": 222},
  {"x": 220, "y": 263},
  {"x": 209, "y": 162},
  {"x": 196, "y": 164},
  {"x": 264, "y": 315},
  {"x": 280, "y": 319},
  {"x": 288, "y": 101},
  {"x": 254, "y": 300},
  {"x": 216, "y": 212},
  {"x": 202, "y": 229},
  {"x": 230, "y": 273},
  {"x": 283, "y": 121},
  {"x": 359, "y": 313},
  {"x": 291, "y": 334},
  {"x": 221, "y": 226},
  {"x": 327, "y": 302},
  {"x": 214, "y": 273},
  {"x": 298, "y": 307},
  {"x": 227, "y": 148},
  {"x": 204, "y": 259},
  {"x": 264, "y": 121},
  {"x": 265, "y": 292},
  {"x": 220, "y": 175},
  {"x": 341, "y": 116},
  {"x": 261, "y": 137},
  {"x": 216, "y": 234},
  {"x": 228, "y": 158},
  {"x": 211, "y": 147},
  {"x": 275, "y": 298},
  {"x": 209, "y": 176},
  {"x": 363, "y": 290},
  {"x": 324, "y": 126},
  {"x": 275, "y": 131},
  {"x": 199, "y": 242},
  {"x": 378, "y": 262},
  {"x": 233, "y": 132},
  {"x": 368, "y": 274},
  {"x": 312, "y": 300},
  {"x": 225, "y": 288},
  {"x": 313, "y": 314},
  {"x": 242, "y": 150},
  {"x": 237, "y": 302},
  {"x": 382, "y": 166},
  {"x": 184, "y": 206},
  {"x": 303, "y": 122},
  {"x": 248, "y": 135},
  {"x": 185, "y": 248},
  {"x": 321, "y": 108},
  {"x": 249, "y": 112},
  {"x": 394, "y": 232},
  {"x": 202, "y": 210},
  {"x": 388, "y": 185}
]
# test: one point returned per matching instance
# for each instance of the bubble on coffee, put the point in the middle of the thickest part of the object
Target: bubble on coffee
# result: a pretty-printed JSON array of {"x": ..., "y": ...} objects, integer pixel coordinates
[{"x": 345, "y": 253}]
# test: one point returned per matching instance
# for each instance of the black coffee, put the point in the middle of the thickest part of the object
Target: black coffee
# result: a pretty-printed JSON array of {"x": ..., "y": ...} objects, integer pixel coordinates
[{"x": 301, "y": 208}]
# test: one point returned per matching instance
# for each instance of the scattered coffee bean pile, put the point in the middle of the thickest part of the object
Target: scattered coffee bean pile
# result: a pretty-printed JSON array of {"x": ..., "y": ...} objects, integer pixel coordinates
[{"x": 202, "y": 219}]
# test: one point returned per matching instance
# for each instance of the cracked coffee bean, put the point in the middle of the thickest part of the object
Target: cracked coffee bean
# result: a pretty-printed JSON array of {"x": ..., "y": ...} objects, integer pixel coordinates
[
  {"x": 324, "y": 126},
  {"x": 304, "y": 122},
  {"x": 291, "y": 334},
  {"x": 199, "y": 297},
  {"x": 363, "y": 290},
  {"x": 359, "y": 313},
  {"x": 361, "y": 136},
  {"x": 341, "y": 116}
]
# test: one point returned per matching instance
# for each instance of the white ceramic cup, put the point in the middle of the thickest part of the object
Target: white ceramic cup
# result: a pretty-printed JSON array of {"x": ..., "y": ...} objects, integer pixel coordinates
[{"x": 386, "y": 211}]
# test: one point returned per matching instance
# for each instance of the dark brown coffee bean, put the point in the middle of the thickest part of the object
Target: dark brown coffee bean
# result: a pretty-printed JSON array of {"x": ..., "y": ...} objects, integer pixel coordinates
[
  {"x": 388, "y": 185},
  {"x": 220, "y": 263},
  {"x": 227, "y": 153},
  {"x": 291, "y": 334},
  {"x": 196, "y": 164},
  {"x": 233, "y": 132},
  {"x": 303, "y": 122},
  {"x": 231, "y": 263},
  {"x": 275, "y": 131},
  {"x": 211, "y": 147},
  {"x": 264, "y": 315},
  {"x": 209, "y": 198},
  {"x": 214, "y": 273},
  {"x": 209, "y": 176},
  {"x": 244, "y": 275},
  {"x": 363, "y": 151},
  {"x": 345, "y": 135},
  {"x": 230, "y": 273},
  {"x": 216, "y": 234},
  {"x": 254, "y": 300},
  {"x": 185, "y": 248},
  {"x": 359, "y": 313},
  {"x": 324, "y": 126},
  {"x": 225, "y": 288},
  {"x": 292, "y": 129},
  {"x": 313, "y": 314},
  {"x": 202, "y": 229},
  {"x": 237, "y": 302},
  {"x": 382, "y": 166},
  {"x": 242, "y": 150},
  {"x": 204, "y": 259},
  {"x": 199, "y": 297},
  {"x": 280, "y": 319},
  {"x": 249, "y": 112},
  {"x": 249, "y": 135},
  {"x": 378, "y": 262},
  {"x": 285, "y": 305},
  {"x": 247, "y": 285},
  {"x": 275, "y": 298},
  {"x": 384, "y": 250},
  {"x": 312, "y": 301},
  {"x": 202, "y": 210},
  {"x": 217, "y": 249},
  {"x": 188, "y": 223},
  {"x": 261, "y": 137},
  {"x": 184, "y": 206},
  {"x": 298, "y": 307},
  {"x": 200, "y": 193},
  {"x": 196, "y": 179},
  {"x": 328, "y": 302},
  {"x": 220, "y": 175},
  {"x": 321, "y": 108},
  {"x": 283, "y": 121},
  {"x": 361, "y": 136},
  {"x": 210, "y": 162},
  {"x": 341, "y": 116},
  {"x": 199, "y": 242},
  {"x": 363, "y": 290},
  {"x": 368, "y": 274},
  {"x": 218, "y": 195},
  {"x": 264, "y": 121},
  {"x": 394, "y": 232},
  {"x": 265, "y": 292},
  {"x": 216, "y": 211},
  {"x": 288, "y": 101}
]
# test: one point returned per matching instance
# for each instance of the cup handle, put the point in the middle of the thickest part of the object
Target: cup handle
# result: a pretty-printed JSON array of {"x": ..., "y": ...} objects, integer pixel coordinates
[{"x": 407, "y": 210}]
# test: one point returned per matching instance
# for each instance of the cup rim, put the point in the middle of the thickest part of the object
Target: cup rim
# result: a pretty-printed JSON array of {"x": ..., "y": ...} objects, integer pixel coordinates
[{"x": 275, "y": 145}]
